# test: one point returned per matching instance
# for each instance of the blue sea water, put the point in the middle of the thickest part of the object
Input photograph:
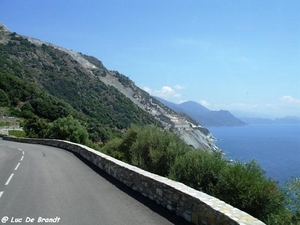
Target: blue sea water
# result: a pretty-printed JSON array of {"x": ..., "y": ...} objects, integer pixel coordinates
[{"x": 275, "y": 147}]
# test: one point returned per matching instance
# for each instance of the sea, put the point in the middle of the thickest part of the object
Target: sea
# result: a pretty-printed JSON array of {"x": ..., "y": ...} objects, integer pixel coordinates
[{"x": 276, "y": 147}]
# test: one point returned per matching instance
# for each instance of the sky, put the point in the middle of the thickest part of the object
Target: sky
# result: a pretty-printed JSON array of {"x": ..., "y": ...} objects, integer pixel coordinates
[{"x": 237, "y": 55}]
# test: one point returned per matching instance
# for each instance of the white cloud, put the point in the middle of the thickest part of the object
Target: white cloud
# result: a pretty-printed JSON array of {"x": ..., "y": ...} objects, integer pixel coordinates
[
  {"x": 147, "y": 89},
  {"x": 204, "y": 103},
  {"x": 289, "y": 99},
  {"x": 178, "y": 87},
  {"x": 166, "y": 92}
]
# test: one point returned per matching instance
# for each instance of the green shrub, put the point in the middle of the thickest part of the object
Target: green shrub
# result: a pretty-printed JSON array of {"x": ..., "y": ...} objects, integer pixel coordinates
[
  {"x": 284, "y": 217},
  {"x": 35, "y": 127},
  {"x": 127, "y": 142},
  {"x": 155, "y": 149},
  {"x": 112, "y": 148},
  {"x": 246, "y": 187},
  {"x": 69, "y": 129},
  {"x": 148, "y": 147},
  {"x": 241, "y": 185},
  {"x": 198, "y": 169}
]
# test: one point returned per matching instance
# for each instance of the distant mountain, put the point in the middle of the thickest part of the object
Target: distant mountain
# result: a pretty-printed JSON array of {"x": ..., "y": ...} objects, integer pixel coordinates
[
  {"x": 203, "y": 115},
  {"x": 256, "y": 120},
  {"x": 284, "y": 120},
  {"x": 288, "y": 120},
  {"x": 250, "y": 114},
  {"x": 190, "y": 107}
]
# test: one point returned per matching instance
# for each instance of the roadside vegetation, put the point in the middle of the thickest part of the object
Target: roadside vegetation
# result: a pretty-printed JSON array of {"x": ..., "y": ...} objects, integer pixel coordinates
[
  {"x": 17, "y": 133},
  {"x": 242, "y": 185}
]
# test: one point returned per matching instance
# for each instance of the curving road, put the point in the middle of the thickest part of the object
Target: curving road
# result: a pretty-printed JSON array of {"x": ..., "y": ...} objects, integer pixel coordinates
[{"x": 47, "y": 185}]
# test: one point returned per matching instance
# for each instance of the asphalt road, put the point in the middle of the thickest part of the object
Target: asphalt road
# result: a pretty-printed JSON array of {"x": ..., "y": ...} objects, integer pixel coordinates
[{"x": 47, "y": 185}]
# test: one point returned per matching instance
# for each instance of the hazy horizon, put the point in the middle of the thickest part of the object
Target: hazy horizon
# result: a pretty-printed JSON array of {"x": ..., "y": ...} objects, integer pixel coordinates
[{"x": 239, "y": 113}]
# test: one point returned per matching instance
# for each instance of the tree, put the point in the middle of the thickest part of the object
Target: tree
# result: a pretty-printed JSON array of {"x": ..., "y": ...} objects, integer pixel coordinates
[
  {"x": 35, "y": 127},
  {"x": 69, "y": 129},
  {"x": 128, "y": 140}
]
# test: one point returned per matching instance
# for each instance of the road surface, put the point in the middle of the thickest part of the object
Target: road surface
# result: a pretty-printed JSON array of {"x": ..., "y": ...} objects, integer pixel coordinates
[{"x": 47, "y": 185}]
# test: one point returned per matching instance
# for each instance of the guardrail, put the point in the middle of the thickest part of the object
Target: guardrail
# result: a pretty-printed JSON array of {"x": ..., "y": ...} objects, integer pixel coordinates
[{"x": 195, "y": 206}]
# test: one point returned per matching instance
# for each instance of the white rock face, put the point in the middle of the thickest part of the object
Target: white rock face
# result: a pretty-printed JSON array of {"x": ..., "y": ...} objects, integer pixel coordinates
[
  {"x": 3, "y": 27},
  {"x": 75, "y": 55}
]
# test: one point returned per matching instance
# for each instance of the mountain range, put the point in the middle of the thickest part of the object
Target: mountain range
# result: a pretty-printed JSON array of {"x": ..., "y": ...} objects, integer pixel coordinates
[
  {"x": 259, "y": 120},
  {"x": 203, "y": 115}
]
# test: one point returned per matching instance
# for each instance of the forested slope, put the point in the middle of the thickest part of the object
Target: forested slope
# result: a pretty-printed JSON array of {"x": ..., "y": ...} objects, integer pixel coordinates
[{"x": 51, "y": 84}]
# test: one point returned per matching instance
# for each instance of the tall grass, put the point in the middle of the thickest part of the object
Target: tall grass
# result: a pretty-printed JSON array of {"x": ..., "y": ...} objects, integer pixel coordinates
[{"x": 17, "y": 133}]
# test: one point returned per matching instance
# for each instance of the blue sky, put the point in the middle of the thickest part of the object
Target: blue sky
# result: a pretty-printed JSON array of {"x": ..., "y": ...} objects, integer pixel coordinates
[{"x": 225, "y": 54}]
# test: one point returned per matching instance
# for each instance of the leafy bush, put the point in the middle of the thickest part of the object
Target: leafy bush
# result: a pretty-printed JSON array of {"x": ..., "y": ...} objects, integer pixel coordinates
[
  {"x": 112, "y": 148},
  {"x": 68, "y": 128},
  {"x": 35, "y": 127},
  {"x": 246, "y": 187},
  {"x": 241, "y": 185},
  {"x": 148, "y": 147},
  {"x": 198, "y": 169},
  {"x": 127, "y": 142},
  {"x": 155, "y": 149}
]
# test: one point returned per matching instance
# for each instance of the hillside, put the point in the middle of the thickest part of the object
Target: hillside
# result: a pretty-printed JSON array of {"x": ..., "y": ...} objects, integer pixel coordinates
[
  {"x": 204, "y": 116},
  {"x": 50, "y": 82}
]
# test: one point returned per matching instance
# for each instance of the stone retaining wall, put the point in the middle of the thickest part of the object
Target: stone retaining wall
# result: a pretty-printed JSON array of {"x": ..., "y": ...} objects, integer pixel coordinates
[{"x": 195, "y": 206}]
